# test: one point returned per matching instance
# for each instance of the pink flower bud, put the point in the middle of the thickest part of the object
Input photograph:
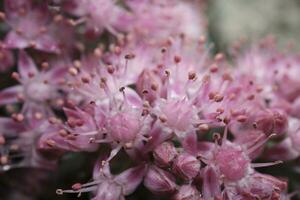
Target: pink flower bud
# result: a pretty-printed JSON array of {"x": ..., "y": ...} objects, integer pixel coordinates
[
  {"x": 179, "y": 115},
  {"x": 262, "y": 186},
  {"x": 186, "y": 166},
  {"x": 187, "y": 192},
  {"x": 211, "y": 183},
  {"x": 149, "y": 85},
  {"x": 159, "y": 181},
  {"x": 272, "y": 121},
  {"x": 124, "y": 127},
  {"x": 164, "y": 154},
  {"x": 232, "y": 162}
]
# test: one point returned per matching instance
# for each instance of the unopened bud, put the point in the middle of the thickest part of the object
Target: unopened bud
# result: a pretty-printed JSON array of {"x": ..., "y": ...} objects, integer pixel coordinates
[
  {"x": 187, "y": 192},
  {"x": 159, "y": 181},
  {"x": 164, "y": 154},
  {"x": 186, "y": 166}
]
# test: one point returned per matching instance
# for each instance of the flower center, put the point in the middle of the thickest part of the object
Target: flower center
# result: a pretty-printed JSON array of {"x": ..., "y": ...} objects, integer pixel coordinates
[{"x": 38, "y": 91}]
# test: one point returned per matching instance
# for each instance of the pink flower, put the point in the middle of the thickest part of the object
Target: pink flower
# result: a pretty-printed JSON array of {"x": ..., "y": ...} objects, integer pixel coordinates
[
  {"x": 38, "y": 89},
  {"x": 177, "y": 115},
  {"x": 30, "y": 23},
  {"x": 110, "y": 187},
  {"x": 158, "y": 20},
  {"x": 19, "y": 145},
  {"x": 258, "y": 186},
  {"x": 99, "y": 15}
]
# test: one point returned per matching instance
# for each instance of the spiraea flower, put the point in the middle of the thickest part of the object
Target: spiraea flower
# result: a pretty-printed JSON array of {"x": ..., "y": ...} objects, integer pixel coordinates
[
  {"x": 157, "y": 20},
  {"x": 30, "y": 24},
  {"x": 107, "y": 186},
  {"x": 19, "y": 145},
  {"x": 37, "y": 89},
  {"x": 135, "y": 84},
  {"x": 99, "y": 15}
]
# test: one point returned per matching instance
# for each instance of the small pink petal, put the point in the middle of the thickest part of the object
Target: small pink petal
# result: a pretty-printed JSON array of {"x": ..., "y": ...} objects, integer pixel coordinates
[
  {"x": 13, "y": 40},
  {"x": 26, "y": 66},
  {"x": 131, "y": 178},
  {"x": 47, "y": 44},
  {"x": 10, "y": 95}
]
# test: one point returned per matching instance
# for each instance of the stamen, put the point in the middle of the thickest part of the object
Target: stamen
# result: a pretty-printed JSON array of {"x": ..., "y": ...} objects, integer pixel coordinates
[
  {"x": 225, "y": 135},
  {"x": 177, "y": 59},
  {"x": 73, "y": 71},
  {"x": 251, "y": 97},
  {"x": 241, "y": 118},
  {"x": 18, "y": 117},
  {"x": 85, "y": 79},
  {"x": 154, "y": 86},
  {"x": 77, "y": 64},
  {"x": 62, "y": 132},
  {"x": 203, "y": 127},
  {"x": 77, "y": 22},
  {"x": 163, "y": 118},
  {"x": 58, "y": 18},
  {"x": 192, "y": 75},
  {"x": 88, "y": 189},
  {"x": 218, "y": 98},
  {"x": 219, "y": 57},
  {"x": 259, "y": 144},
  {"x": 51, "y": 143},
  {"x": 214, "y": 68},
  {"x": 76, "y": 186},
  {"x": 257, "y": 165},
  {"x": 202, "y": 39},
  {"x": 53, "y": 120},
  {"x": 110, "y": 69},
  {"x": 93, "y": 140},
  {"x": 16, "y": 76},
  {"x": 98, "y": 52},
  {"x": 216, "y": 137},
  {"x": 227, "y": 77},
  {"x": 14, "y": 147},
  {"x": 113, "y": 153},
  {"x": 3, "y": 159},
  {"x": 125, "y": 102},
  {"x": 38, "y": 115},
  {"x": 2, "y": 16},
  {"x": 128, "y": 145},
  {"x": 32, "y": 44}
]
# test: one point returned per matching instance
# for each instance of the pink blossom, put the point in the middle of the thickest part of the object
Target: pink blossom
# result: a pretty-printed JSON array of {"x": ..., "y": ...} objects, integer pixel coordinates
[
  {"x": 110, "y": 187},
  {"x": 36, "y": 87},
  {"x": 30, "y": 24},
  {"x": 159, "y": 181}
]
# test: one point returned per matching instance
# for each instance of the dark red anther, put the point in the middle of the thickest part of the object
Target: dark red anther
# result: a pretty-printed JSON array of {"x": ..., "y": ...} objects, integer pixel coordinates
[
  {"x": 76, "y": 186},
  {"x": 129, "y": 56},
  {"x": 177, "y": 59}
]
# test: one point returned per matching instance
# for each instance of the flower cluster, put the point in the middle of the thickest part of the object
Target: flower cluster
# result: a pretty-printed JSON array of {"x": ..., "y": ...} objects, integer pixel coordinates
[{"x": 138, "y": 78}]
